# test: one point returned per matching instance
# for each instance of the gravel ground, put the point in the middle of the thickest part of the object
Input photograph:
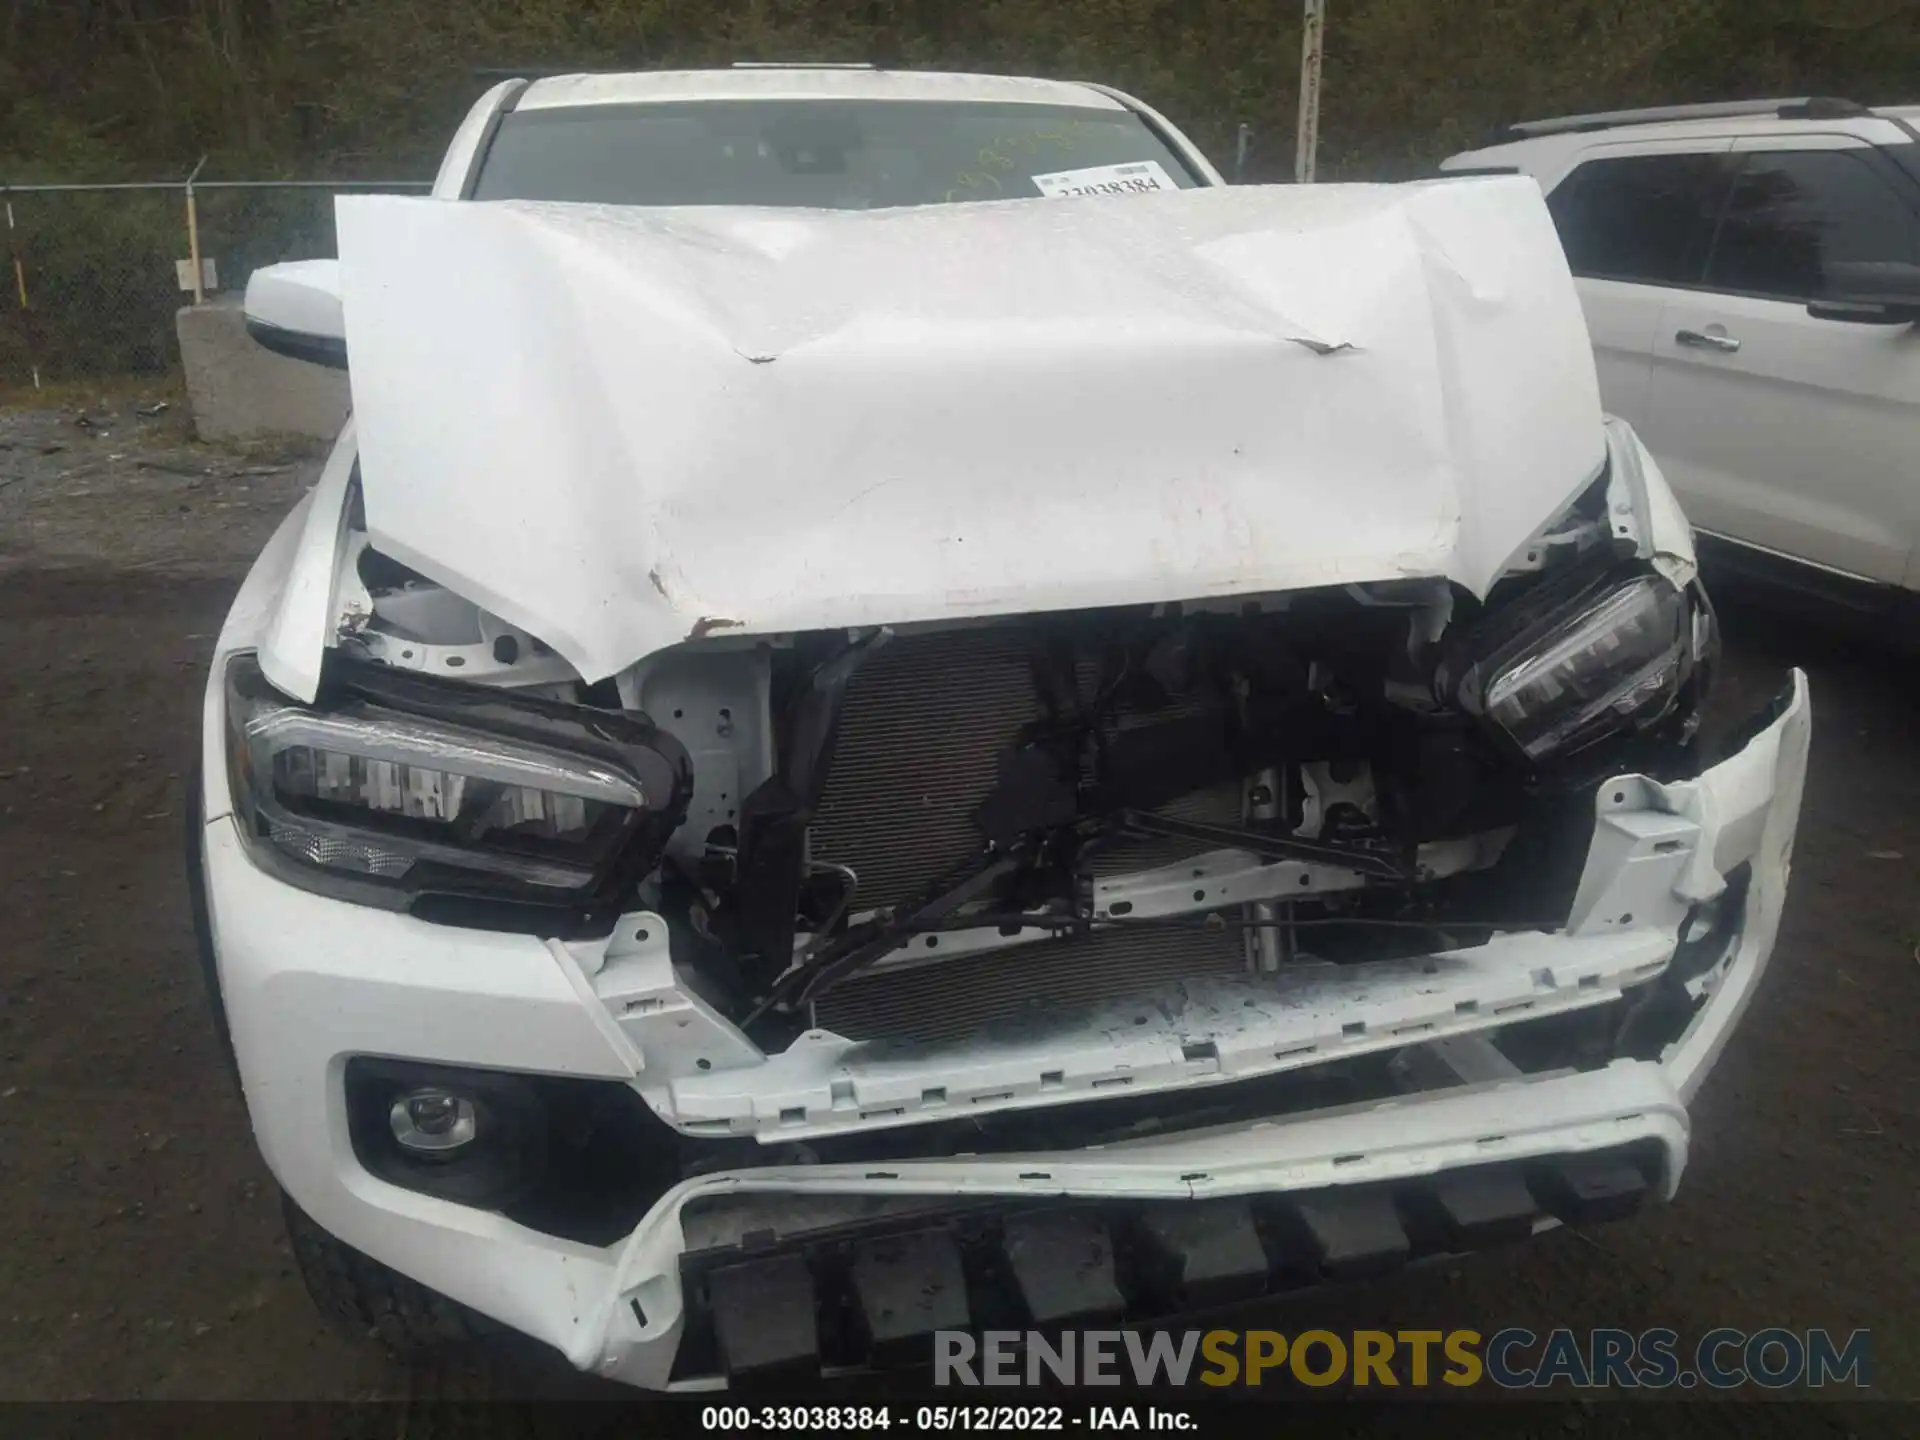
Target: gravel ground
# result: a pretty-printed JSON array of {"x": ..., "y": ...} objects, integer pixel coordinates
[{"x": 144, "y": 1253}]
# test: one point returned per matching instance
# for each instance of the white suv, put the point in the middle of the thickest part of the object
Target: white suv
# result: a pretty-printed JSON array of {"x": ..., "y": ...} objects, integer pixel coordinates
[{"x": 1751, "y": 277}]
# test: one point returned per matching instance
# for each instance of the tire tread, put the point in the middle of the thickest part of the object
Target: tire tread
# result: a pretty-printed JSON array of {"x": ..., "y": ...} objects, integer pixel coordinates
[{"x": 362, "y": 1295}]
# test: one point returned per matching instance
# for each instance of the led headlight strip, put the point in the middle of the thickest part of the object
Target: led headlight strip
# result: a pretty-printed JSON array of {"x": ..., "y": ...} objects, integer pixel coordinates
[
  {"x": 395, "y": 785},
  {"x": 1591, "y": 654}
]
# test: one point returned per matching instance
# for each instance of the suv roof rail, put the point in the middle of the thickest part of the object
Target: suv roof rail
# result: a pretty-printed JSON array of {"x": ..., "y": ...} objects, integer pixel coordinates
[
  {"x": 804, "y": 65},
  {"x": 1806, "y": 107}
]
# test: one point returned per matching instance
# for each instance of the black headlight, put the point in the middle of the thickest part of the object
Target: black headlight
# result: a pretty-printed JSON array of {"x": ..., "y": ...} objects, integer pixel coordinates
[
  {"x": 1579, "y": 659},
  {"x": 395, "y": 786}
]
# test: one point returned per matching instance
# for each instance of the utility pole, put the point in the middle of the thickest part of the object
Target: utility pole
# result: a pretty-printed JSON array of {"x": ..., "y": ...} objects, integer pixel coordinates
[
  {"x": 193, "y": 235},
  {"x": 1312, "y": 35}
]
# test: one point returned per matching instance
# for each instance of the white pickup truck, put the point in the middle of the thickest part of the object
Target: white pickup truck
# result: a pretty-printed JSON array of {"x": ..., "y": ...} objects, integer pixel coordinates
[{"x": 899, "y": 713}]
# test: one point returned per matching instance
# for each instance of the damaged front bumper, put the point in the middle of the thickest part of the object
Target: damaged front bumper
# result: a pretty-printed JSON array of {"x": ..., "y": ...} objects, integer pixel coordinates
[{"x": 1481, "y": 1147}]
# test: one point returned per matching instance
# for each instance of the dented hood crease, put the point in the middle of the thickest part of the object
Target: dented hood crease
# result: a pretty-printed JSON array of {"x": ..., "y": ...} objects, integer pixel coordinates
[{"x": 620, "y": 428}]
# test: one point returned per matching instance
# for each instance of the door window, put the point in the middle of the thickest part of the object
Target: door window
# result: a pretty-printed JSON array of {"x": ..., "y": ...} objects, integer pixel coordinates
[
  {"x": 1647, "y": 218},
  {"x": 1793, "y": 213}
]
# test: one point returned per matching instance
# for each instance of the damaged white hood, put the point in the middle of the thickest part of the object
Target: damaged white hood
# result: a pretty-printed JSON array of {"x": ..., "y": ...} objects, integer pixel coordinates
[{"x": 618, "y": 428}]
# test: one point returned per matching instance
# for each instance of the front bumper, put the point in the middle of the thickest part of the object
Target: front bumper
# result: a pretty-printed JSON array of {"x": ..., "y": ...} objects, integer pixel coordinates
[{"x": 309, "y": 983}]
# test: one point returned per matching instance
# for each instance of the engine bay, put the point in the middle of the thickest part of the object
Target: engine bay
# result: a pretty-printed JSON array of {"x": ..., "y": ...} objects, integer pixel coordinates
[{"x": 1334, "y": 774}]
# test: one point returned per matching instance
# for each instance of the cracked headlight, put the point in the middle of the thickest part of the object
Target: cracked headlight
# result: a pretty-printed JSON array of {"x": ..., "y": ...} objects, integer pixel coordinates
[
  {"x": 1573, "y": 664},
  {"x": 395, "y": 786}
]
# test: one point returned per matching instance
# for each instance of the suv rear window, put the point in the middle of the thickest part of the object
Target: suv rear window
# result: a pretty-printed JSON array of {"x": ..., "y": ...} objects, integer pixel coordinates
[
  {"x": 1794, "y": 212},
  {"x": 1640, "y": 217}
]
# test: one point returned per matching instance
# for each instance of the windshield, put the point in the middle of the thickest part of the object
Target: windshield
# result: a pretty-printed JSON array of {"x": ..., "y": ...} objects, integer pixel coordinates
[{"x": 829, "y": 154}]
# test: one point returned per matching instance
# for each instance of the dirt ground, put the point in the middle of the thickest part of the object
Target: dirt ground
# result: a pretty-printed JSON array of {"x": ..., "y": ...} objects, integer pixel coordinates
[{"x": 142, "y": 1252}]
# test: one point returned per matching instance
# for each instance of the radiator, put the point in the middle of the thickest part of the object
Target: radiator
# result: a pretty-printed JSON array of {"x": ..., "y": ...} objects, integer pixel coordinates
[{"x": 924, "y": 724}]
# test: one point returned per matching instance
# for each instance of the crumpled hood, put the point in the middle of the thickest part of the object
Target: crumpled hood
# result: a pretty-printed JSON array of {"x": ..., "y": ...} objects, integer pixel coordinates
[{"x": 619, "y": 428}]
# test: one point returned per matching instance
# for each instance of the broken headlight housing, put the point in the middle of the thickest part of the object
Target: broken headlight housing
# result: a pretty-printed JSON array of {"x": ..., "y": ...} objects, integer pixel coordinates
[
  {"x": 1577, "y": 661},
  {"x": 393, "y": 787}
]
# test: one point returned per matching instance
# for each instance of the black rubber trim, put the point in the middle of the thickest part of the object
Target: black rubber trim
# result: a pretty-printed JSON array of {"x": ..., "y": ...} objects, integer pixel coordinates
[
  {"x": 1825, "y": 107},
  {"x": 1662, "y": 1008},
  {"x": 879, "y": 1287},
  {"x": 1814, "y": 107},
  {"x": 1694, "y": 957},
  {"x": 324, "y": 350},
  {"x": 1732, "y": 568}
]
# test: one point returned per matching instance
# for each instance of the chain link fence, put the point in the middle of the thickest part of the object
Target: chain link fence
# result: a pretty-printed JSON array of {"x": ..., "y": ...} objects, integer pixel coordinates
[{"x": 96, "y": 272}]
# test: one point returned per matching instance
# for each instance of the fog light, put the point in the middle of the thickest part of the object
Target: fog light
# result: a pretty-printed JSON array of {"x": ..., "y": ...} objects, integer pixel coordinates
[
  {"x": 476, "y": 1137},
  {"x": 432, "y": 1121}
]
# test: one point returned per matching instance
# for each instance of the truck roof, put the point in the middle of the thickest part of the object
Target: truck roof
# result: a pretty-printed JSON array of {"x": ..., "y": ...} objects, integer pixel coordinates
[{"x": 804, "y": 82}]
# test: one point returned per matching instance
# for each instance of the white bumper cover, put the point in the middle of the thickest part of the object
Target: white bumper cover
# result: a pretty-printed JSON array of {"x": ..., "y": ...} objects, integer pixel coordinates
[{"x": 310, "y": 982}]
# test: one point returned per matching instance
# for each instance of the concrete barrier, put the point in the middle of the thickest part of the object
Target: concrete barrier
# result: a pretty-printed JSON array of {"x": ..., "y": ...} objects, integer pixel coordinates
[{"x": 240, "y": 391}]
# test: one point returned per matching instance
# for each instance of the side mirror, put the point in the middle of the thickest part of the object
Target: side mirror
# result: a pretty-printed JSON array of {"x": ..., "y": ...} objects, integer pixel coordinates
[
  {"x": 1870, "y": 293},
  {"x": 294, "y": 310}
]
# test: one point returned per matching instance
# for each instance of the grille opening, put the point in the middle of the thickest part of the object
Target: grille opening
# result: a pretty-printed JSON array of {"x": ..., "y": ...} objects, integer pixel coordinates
[{"x": 927, "y": 721}]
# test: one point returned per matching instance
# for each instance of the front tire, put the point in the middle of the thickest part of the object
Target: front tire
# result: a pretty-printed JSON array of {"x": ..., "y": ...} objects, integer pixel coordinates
[{"x": 361, "y": 1295}]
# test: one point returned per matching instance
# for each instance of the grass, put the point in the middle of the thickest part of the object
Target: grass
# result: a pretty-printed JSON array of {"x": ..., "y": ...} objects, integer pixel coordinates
[
  {"x": 102, "y": 392},
  {"x": 121, "y": 394}
]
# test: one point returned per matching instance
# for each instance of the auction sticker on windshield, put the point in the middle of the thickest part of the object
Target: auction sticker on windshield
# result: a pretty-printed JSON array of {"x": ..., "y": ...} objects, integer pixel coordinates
[{"x": 1135, "y": 178}]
